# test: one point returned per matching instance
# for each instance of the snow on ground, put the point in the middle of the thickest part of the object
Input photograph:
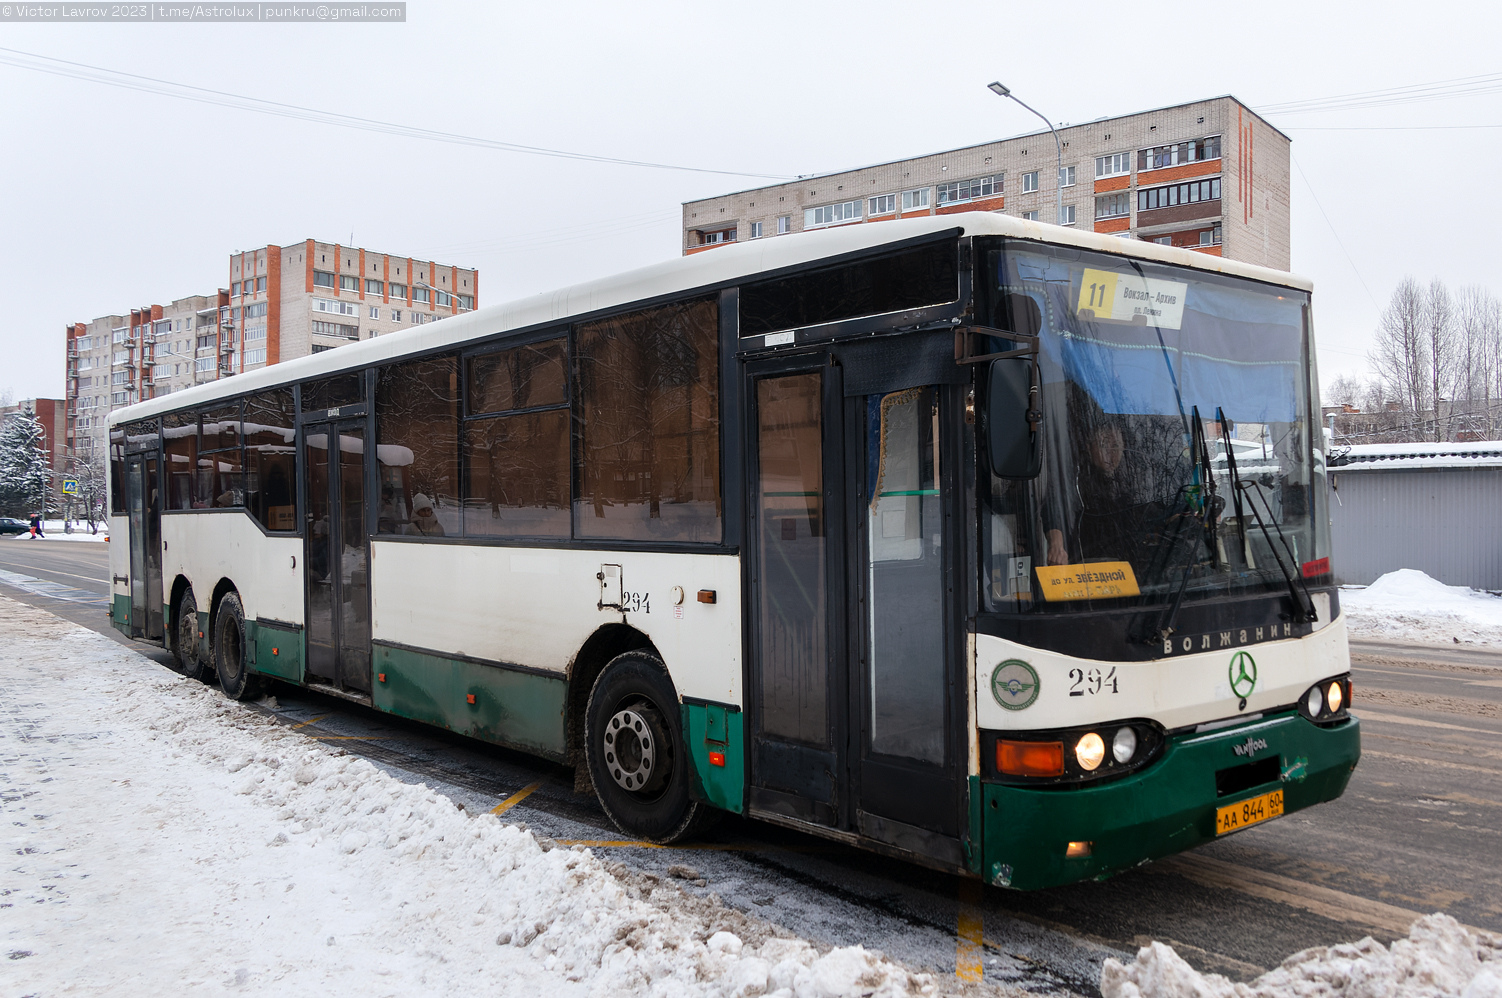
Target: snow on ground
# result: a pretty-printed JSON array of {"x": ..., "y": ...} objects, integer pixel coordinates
[
  {"x": 167, "y": 841},
  {"x": 57, "y": 530},
  {"x": 1408, "y": 605},
  {"x": 1440, "y": 959}
]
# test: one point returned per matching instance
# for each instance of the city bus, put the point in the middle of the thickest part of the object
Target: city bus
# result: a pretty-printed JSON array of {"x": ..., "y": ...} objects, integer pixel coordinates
[{"x": 995, "y": 546}]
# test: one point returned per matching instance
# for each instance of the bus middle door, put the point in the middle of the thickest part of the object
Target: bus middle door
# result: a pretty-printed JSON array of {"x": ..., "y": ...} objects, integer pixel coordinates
[{"x": 336, "y": 562}]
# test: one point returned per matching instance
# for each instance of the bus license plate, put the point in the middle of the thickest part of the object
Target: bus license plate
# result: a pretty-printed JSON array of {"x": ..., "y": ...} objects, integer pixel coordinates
[{"x": 1248, "y": 812}]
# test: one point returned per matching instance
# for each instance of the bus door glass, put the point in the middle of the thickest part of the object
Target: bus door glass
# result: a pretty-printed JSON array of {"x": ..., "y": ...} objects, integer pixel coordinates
[
  {"x": 337, "y": 558},
  {"x": 796, "y": 759},
  {"x": 904, "y": 658},
  {"x": 143, "y": 506}
]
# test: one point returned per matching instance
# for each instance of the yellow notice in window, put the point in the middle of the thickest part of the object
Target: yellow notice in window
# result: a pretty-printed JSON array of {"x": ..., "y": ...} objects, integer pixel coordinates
[
  {"x": 1132, "y": 298},
  {"x": 1097, "y": 292},
  {"x": 1097, "y": 580}
]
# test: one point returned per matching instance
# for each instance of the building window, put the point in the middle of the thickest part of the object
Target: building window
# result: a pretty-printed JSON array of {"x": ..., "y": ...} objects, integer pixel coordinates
[
  {"x": 399, "y": 291},
  {"x": 717, "y": 237},
  {"x": 1176, "y": 194},
  {"x": 321, "y": 347},
  {"x": 1066, "y": 176},
  {"x": 372, "y": 287},
  {"x": 1164, "y": 240},
  {"x": 260, "y": 284},
  {"x": 915, "y": 199},
  {"x": 1113, "y": 165},
  {"x": 1066, "y": 214},
  {"x": 420, "y": 294},
  {"x": 884, "y": 205},
  {"x": 829, "y": 214},
  {"x": 969, "y": 190},
  {"x": 348, "y": 283},
  {"x": 256, "y": 332},
  {"x": 1030, "y": 182},
  {"x": 340, "y": 329},
  {"x": 255, "y": 311},
  {"x": 234, "y": 289},
  {"x": 396, "y": 315},
  {"x": 1113, "y": 205},
  {"x": 784, "y": 225},
  {"x": 1029, "y": 216},
  {"x": 1159, "y": 157},
  {"x": 467, "y": 302},
  {"x": 755, "y": 230},
  {"x": 336, "y": 307},
  {"x": 375, "y": 312},
  {"x": 204, "y": 364},
  {"x": 1210, "y": 237},
  {"x": 322, "y": 279},
  {"x": 255, "y": 356}
]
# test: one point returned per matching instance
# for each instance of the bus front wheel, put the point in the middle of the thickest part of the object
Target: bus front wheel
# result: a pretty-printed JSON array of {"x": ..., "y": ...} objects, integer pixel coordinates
[
  {"x": 235, "y": 677},
  {"x": 635, "y": 751}
]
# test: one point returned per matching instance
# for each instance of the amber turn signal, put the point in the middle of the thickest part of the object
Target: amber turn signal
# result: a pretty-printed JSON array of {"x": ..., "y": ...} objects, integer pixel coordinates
[
  {"x": 1030, "y": 758},
  {"x": 469, "y": 698}
]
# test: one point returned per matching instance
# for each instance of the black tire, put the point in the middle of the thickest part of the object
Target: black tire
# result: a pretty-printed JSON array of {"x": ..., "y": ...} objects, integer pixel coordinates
[
  {"x": 187, "y": 643},
  {"x": 235, "y": 677},
  {"x": 632, "y": 735}
]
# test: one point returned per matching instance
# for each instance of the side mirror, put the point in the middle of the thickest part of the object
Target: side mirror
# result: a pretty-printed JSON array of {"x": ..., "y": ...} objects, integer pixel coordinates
[{"x": 1013, "y": 414}]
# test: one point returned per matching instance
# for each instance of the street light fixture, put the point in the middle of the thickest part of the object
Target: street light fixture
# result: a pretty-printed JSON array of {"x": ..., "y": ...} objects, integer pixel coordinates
[
  {"x": 1001, "y": 90},
  {"x": 436, "y": 292}
]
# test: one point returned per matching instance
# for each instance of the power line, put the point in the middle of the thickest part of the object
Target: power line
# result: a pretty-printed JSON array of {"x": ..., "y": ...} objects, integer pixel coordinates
[
  {"x": 1380, "y": 128},
  {"x": 1465, "y": 86},
  {"x": 219, "y": 98},
  {"x": 1338, "y": 241}
]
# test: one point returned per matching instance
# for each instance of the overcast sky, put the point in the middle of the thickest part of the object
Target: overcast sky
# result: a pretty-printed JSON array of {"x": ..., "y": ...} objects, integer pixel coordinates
[{"x": 112, "y": 198}]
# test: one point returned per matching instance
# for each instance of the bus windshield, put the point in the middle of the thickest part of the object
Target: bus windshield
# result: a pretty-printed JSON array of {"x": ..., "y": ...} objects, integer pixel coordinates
[{"x": 1177, "y": 451}]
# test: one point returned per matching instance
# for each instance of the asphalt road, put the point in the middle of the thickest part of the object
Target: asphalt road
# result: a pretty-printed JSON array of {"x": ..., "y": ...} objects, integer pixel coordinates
[{"x": 1418, "y": 830}]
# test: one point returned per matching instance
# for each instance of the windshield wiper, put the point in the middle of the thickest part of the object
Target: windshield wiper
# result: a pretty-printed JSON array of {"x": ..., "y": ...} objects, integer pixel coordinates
[
  {"x": 1303, "y": 608},
  {"x": 1203, "y": 498}
]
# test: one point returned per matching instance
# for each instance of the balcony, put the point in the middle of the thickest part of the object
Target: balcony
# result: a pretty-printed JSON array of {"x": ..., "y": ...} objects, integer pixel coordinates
[{"x": 227, "y": 346}]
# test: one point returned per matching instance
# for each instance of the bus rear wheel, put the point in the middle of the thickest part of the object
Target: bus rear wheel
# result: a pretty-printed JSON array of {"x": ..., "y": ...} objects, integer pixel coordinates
[
  {"x": 235, "y": 677},
  {"x": 186, "y": 643},
  {"x": 635, "y": 751}
]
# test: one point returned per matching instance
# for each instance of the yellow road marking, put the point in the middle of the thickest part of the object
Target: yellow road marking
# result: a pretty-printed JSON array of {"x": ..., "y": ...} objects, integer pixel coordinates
[
  {"x": 304, "y": 724},
  {"x": 968, "y": 942},
  {"x": 516, "y": 798}
]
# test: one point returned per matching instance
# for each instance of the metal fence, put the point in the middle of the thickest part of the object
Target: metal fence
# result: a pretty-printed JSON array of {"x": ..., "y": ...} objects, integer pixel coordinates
[{"x": 1445, "y": 521}]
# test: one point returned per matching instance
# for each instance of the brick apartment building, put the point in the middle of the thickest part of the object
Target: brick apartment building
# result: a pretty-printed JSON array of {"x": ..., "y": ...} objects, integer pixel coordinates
[
  {"x": 1209, "y": 175},
  {"x": 282, "y": 302}
]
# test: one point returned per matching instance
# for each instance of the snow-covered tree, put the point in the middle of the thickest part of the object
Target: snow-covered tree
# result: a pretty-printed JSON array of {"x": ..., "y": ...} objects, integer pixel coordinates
[
  {"x": 25, "y": 478},
  {"x": 92, "y": 480}
]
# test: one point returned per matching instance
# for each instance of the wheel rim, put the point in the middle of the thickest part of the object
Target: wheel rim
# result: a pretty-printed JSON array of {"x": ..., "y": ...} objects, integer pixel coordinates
[{"x": 637, "y": 749}]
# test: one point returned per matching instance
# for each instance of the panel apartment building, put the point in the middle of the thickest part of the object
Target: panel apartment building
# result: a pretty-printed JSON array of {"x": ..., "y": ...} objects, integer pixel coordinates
[
  {"x": 1210, "y": 176},
  {"x": 282, "y": 302}
]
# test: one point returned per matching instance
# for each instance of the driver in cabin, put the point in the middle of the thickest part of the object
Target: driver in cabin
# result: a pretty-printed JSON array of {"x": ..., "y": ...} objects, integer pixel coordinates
[{"x": 1103, "y": 504}]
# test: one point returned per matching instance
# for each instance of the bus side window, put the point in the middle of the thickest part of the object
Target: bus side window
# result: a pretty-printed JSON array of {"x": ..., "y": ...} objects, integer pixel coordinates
[
  {"x": 417, "y": 446},
  {"x": 270, "y": 459}
]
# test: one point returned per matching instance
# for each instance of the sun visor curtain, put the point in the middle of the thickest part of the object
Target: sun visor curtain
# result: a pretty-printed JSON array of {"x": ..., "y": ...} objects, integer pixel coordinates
[{"x": 892, "y": 363}]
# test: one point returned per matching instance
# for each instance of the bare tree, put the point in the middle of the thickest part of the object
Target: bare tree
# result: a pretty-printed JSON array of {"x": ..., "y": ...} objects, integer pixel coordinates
[
  {"x": 1400, "y": 357},
  {"x": 1479, "y": 318},
  {"x": 1440, "y": 342}
]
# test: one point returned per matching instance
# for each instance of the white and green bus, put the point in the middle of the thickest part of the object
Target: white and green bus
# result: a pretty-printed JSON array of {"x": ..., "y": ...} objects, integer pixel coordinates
[{"x": 996, "y": 546}]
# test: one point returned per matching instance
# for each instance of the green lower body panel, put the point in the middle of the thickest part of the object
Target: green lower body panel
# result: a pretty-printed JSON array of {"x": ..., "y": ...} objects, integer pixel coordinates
[
  {"x": 120, "y": 613},
  {"x": 278, "y": 651},
  {"x": 715, "y": 737},
  {"x": 522, "y": 710},
  {"x": 1167, "y": 808}
]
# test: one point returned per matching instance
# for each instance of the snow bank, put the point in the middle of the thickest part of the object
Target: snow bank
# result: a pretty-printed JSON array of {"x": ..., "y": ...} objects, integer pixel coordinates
[
  {"x": 167, "y": 840},
  {"x": 1440, "y": 959},
  {"x": 1408, "y": 605}
]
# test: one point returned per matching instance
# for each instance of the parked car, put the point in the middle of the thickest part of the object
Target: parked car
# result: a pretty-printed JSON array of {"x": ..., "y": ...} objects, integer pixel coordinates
[{"x": 11, "y": 526}]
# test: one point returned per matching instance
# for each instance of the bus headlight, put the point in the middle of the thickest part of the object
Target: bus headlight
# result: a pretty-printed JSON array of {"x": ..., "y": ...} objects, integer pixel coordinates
[
  {"x": 1335, "y": 697},
  {"x": 1090, "y": 752},
  {"x": 1124, "y": 745},
  {"x": 1315, "y": 701}
]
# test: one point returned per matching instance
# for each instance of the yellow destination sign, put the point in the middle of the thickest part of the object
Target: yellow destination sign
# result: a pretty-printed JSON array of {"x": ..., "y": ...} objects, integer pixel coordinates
[{"x": 1097, "y": 580}]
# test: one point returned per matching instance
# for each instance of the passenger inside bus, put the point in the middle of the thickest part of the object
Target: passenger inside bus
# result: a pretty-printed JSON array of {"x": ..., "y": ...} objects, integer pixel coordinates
[{"x": 424, "y": 522}]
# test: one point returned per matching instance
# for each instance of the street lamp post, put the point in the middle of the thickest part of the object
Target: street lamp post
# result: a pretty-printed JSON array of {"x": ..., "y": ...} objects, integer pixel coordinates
[
  {"x": 1001, "y": 90},
  {"x": 436, "y": 292}
]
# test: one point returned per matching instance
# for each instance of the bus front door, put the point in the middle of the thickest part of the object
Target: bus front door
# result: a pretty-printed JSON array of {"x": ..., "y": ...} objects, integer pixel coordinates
[
  {"x": 855, "y": 702},
  {"x": 144, "y": 508},
  {"x": 336, "y": 564}
]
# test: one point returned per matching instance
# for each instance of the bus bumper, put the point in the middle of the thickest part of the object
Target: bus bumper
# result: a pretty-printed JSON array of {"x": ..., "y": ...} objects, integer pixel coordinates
[{"x": 1166, "y": 808}]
